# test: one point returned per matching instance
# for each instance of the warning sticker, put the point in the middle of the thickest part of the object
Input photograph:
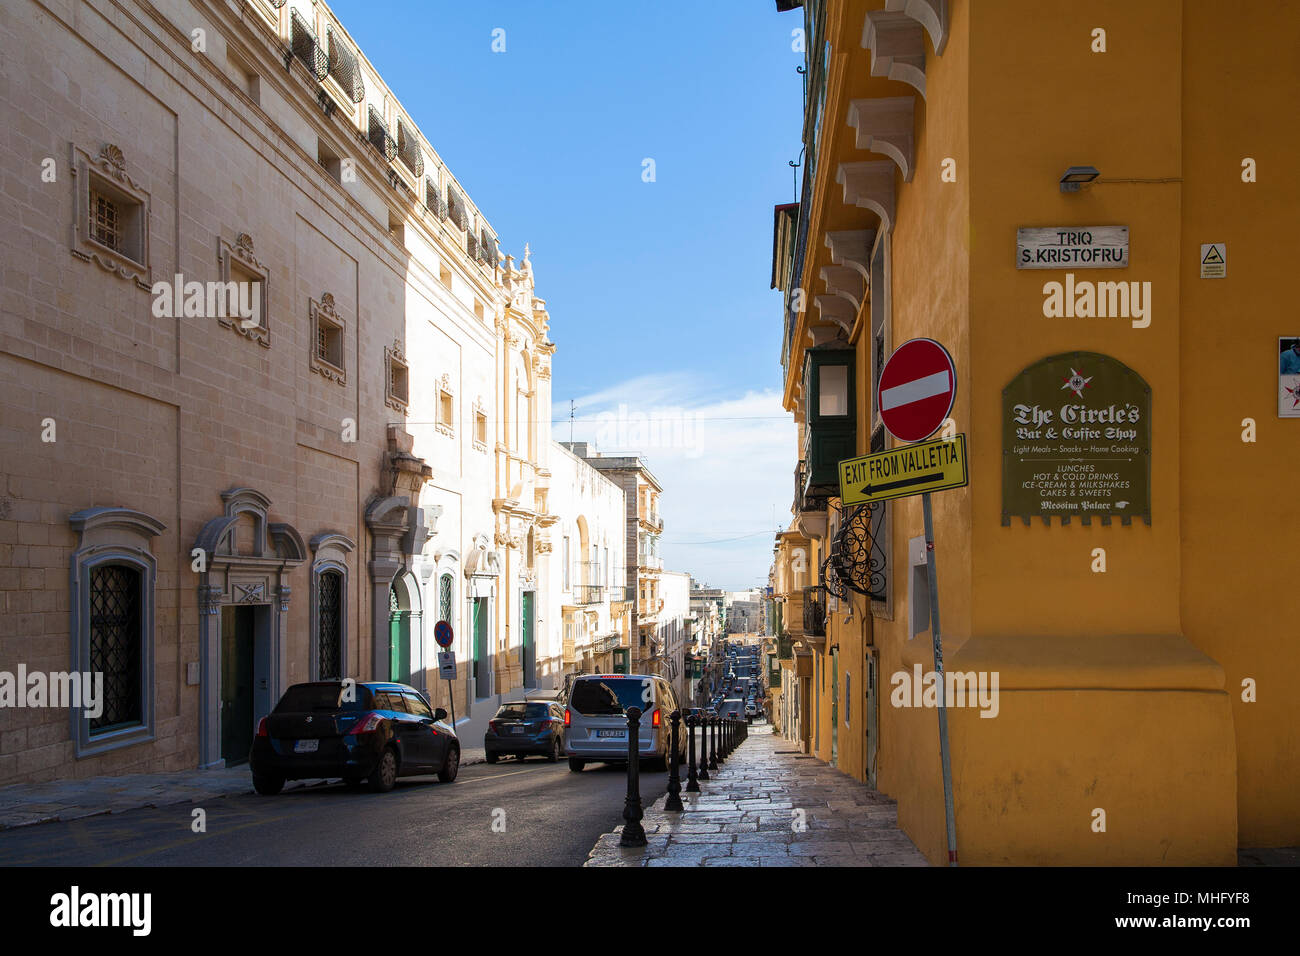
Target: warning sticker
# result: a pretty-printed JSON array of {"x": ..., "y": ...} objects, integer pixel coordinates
[{"x": 1214, "y": 260}]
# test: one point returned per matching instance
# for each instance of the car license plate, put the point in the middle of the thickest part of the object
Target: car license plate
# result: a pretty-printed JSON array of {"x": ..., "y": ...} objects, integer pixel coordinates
[
  {"x": 517, "y": 730},
  {"x": 306, "y": 746},
  {"x": 618, "y": 734}
]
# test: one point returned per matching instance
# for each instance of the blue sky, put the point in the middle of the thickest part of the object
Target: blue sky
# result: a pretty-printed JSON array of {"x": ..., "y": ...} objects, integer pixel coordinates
[{"x": 658, "y": 292}]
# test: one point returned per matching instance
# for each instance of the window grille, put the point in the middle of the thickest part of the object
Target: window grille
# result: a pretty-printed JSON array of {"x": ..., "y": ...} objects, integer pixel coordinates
[
  {"x": 330, "y": 614},
  {"x": 408, "y": 149},
  {"x": 377, "y": 133},
  {"x": 115, "y": 644},
  {"x": 343, "y": 67},
  {"x": 302, "y": 40},
  {"x": 105, "y": 221}
]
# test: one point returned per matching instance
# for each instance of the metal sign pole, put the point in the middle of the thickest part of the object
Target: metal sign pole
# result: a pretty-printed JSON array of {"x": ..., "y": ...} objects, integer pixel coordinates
[
  {"x": 933, "y": 574},
  {"x": 451, "y": 698}
]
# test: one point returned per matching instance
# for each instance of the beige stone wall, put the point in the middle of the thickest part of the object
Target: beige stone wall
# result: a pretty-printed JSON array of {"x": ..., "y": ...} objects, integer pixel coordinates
[{"x": 161, "y": 415}]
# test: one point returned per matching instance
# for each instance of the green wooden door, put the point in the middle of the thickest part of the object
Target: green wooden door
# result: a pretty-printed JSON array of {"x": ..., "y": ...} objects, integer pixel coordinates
[
  {"x": 236, "y": 683},
  {"x": 399, "y": 640},
  {"x": 482, "y": 664},
  {"x": 527, "y": 642}
]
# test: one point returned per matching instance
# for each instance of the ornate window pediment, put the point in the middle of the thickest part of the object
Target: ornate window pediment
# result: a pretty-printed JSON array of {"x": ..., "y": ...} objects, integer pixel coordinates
[
  {"x": 237, "y": 263},
  {"x": 111, "y": 223},
  {"x": 328, "y": 339}
]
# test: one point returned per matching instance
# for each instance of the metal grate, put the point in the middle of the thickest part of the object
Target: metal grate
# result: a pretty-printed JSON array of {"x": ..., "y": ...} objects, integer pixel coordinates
[
  {"x": 105, "y": 223},
  {"x": 343, "y": 67},
  {"x": 456, "y": 207},
  {"x": 487, "y": 249},
  {"x": 408, "y": 149},
  {"x": 444, "y": 598},
  {"x": 115, "y": 643},
  {"x": 303, "y": 42},
  {"x": 433, "y": 199},
  {"x": 330, "y": 619},
  {"x": 377, "y": 133}
]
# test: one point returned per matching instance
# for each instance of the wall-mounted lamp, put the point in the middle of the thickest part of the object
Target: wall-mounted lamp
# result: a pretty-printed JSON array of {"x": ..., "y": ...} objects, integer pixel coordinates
[{"x": 1076, "y": 176}]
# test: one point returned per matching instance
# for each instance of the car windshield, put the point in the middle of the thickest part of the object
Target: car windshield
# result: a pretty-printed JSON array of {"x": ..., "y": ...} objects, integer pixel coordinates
[
  {"x": 316, "y": 698},
  {"x": 523, "y": 711},
  {"x": 610, "y": 696}
]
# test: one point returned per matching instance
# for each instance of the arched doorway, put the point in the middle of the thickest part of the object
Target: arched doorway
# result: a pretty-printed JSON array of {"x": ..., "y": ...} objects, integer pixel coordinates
[{"x": 405, "y": 632}]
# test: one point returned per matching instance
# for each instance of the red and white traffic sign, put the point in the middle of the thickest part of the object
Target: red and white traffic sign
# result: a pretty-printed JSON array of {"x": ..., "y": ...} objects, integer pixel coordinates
[{"x": 918, "y": 386}]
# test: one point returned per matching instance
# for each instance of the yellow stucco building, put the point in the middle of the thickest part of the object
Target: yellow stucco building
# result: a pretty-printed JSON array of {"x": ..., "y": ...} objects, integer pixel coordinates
[{"x": 1084, "y": 190}]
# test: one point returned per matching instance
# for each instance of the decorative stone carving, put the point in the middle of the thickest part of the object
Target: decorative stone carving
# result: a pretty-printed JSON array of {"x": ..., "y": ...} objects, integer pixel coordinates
[
  {"x": 237, "y": 263},
  {"x": 885, "y": 126},
  {"x": 897, "y": 47},
  {"x": 871, "y": 186},
  {"x": 106, "y": 173},
  {"x": 324, "y": 315},
  {"x": 846, "y": 283},
  {"x": 931, "y": 14}
]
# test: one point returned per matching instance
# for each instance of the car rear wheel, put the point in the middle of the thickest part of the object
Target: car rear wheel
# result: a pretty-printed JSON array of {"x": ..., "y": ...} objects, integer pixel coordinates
[
  {"x": 452, "y": 767},
  {"x": 267, "y": 785},
  {"x": 576, "y": 764},
  {"x": 384, "y": 777},
  {"x": 554, "y": 755}
]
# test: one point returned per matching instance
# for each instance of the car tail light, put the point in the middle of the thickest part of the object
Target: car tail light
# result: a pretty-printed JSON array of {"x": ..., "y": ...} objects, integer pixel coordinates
[
  {"x": 367, "y": 724},
  {"x": 261, "y": 728},
  {"x": 492, "y": 726},
  {"x": 566, "y": 717},
  {"x": 654, "y": 718}
]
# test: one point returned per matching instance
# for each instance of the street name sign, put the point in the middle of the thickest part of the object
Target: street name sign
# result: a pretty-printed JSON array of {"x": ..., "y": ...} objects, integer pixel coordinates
[
  {"x": 1073, "y": 247},
  {"x": 907, "y": 470},
  {"x": 917, "y": 388}
]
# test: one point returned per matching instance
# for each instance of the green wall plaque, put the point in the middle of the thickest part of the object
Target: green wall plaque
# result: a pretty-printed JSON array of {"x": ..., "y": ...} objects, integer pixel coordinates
[{"x": 1076, "y": 441}]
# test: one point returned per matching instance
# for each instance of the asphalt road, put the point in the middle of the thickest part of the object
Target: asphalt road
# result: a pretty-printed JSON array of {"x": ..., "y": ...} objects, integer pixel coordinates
[{"x": 544, "y": 815}]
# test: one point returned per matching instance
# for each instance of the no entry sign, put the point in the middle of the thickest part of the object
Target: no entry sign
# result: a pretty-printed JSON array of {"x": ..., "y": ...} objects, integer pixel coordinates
[{"x": 917, "y": 388}]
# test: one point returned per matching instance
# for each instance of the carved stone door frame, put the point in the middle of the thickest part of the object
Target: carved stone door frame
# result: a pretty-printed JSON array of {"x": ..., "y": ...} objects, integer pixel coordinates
[{"x": 230, "y": 577}]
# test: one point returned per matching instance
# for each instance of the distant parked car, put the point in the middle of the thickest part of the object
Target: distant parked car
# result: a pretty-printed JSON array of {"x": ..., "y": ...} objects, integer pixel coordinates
[
  {"x": 751, "y": 710},
  {"x": 387, "y": 731},
  {"x": 523, "y": 727}
]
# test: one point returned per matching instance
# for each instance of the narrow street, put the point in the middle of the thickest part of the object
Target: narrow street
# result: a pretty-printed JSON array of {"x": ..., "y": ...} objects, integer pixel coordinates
[{"x": 551, "y": 818}]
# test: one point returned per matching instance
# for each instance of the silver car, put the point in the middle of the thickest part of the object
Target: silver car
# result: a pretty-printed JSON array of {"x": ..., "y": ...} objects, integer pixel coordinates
[{"x": 595, "y": 721}]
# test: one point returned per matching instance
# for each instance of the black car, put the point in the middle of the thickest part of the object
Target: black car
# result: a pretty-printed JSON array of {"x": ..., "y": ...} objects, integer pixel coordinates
[
  {"x": 523, "y": 727},
  {"x": 384, "y": 731}
]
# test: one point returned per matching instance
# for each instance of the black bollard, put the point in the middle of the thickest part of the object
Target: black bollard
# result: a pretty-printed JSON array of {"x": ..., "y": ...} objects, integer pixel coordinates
[
  {"x": 674, "y": 801},
  {"x": 718, "y": 756},
  {"x": 633, "y": 832},
  {"x": 704, "y": 747},
  {"x": 692, "y": 781}
]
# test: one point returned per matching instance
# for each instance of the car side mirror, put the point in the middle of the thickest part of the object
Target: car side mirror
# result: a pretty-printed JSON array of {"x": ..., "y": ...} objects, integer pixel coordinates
[{"x": 439, "y": 714}]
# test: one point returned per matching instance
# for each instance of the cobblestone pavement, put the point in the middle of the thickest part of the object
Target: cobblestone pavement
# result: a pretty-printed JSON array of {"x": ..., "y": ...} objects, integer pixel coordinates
[
  {"x": 24, "y": 804},
  {"x": 747, "y": 815}
]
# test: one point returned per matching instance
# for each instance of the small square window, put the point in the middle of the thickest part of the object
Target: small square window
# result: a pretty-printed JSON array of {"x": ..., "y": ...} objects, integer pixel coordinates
[
  {"x": 245, "y": 282},
  {"x": 111, "y": 227},
  {"x": 446, "y": 410},
  {"x": 480, "y": 430},
  {"x": 398, "y": 394},
  {"x": 329, "y": 161},
  {"x": 327, "y": 340}
]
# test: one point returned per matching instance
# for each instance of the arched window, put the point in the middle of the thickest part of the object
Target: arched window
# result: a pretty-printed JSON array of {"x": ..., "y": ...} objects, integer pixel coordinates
[
  {"x": 446, "y": 598},
  {"x": 329, "y": 625}
]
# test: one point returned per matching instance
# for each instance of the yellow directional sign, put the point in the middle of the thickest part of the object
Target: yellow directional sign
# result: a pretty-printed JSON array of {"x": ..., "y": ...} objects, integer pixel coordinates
[{"x": 903, "y": 471}]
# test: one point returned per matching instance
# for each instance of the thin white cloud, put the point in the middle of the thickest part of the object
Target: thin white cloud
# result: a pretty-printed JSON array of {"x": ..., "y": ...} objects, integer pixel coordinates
[{"x": 726, "y": 463}]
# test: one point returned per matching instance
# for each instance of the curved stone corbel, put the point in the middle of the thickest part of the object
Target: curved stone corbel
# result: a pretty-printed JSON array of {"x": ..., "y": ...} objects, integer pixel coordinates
[
  {"x": 846, "y": 283},
  {"x": 852, "y": 248},
  {"x": 897, "y": 47},
  {"x": 389, "y": 513},
  {"x": 835, "y": 309},
  {"x": 931, "y": 14},
  {"x": 885, "y": 126},
  {"x": 871, "y": 186}
]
